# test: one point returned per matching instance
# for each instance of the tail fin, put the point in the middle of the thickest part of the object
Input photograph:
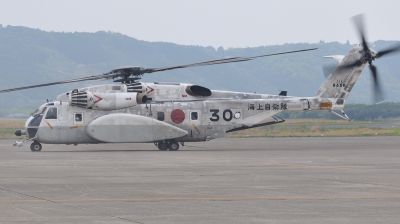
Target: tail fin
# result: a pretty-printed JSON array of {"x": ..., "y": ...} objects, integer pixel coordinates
[{"x": 341, "y": 81}]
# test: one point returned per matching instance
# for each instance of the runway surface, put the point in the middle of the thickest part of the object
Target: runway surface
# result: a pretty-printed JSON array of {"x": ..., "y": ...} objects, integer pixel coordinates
[{"x": 251, "y": 180}]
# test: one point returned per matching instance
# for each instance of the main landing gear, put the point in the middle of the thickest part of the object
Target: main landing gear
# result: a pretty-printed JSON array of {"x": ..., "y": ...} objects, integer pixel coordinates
[
  {"x": 36, "y": 146},
  {"x": 171, "y": 145}
]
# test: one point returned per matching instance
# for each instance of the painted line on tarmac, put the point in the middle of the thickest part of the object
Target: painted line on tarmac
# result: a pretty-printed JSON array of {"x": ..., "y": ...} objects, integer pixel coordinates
[
  {"x": 298, "y": 165},
  {"x": 310, "y": 166},
  {"x": 227, "y": 198}
]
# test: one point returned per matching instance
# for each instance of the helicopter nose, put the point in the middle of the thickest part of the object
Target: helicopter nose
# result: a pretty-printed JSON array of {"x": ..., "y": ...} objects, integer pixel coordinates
[
  {"x": 32, "y": 125},
  {"x": 27, "y": 122}
]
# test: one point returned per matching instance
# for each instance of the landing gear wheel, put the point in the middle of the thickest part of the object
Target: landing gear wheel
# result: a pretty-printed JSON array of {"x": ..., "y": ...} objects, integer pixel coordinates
[
  {"x": 162, "y": 146},
  {"x": 36, "y": 147},
  {"x": 173, "y": 146}
]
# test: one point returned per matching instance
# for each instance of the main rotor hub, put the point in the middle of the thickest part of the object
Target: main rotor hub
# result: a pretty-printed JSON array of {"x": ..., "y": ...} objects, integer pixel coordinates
[{"x": 128, "y": 74}]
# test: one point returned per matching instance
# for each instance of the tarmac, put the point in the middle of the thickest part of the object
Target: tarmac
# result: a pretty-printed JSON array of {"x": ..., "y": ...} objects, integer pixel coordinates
[{"x": 241, "y": 180}]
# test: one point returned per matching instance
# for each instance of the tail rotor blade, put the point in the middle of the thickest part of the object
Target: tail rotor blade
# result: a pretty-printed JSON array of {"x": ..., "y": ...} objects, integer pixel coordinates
[
  {"x": 359, "y": 23},
  {"x": 390, "y": 50},
  {"x": 351, "y": 65},
  {"x": 378, "y": 95}
]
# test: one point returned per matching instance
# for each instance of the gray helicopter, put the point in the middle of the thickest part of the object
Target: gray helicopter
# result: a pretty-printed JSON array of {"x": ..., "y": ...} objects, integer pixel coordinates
[{"x": 169, "y": 114}]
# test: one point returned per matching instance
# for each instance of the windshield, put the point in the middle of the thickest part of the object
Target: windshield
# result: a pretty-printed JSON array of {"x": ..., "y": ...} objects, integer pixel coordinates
[
  {"x": 34, "y": 112},
  {"x": 40, "y": 110}
]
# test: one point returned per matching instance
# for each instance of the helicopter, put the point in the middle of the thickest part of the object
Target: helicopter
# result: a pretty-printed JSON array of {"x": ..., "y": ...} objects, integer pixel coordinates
[{"x": 170, "y": 114}]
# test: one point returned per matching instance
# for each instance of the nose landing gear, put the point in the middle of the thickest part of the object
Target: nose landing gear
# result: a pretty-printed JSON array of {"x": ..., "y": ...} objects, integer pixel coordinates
[
  {"x": 36, "y": 146},
  {"x": 171, "y": 145}
]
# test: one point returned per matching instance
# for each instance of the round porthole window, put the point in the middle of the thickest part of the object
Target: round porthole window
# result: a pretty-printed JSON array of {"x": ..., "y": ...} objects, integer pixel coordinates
[{"x": 237, "y": 115}]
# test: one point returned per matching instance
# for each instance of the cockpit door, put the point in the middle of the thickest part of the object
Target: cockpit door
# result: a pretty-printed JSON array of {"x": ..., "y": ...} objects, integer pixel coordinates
[{"x": 49, "y": 129}]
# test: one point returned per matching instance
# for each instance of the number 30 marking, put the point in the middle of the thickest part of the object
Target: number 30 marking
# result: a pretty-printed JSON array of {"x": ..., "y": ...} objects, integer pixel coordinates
[{"x": 226, "y": 115}]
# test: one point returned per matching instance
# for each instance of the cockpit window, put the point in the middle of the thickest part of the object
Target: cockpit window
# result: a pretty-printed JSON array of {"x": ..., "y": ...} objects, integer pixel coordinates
[
  {"x": 34, "y": 112},
  {"x": 51, "y": 113},
  {"x": 39, "y": 111}
]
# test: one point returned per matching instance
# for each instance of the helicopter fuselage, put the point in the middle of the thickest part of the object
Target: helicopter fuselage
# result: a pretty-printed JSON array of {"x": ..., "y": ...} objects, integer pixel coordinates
[
  {"x": 169, "y": 113},
  {"x": 183, "y": 121}
]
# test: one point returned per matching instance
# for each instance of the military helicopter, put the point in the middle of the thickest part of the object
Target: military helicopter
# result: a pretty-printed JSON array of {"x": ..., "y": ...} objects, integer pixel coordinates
[{"x": 170, "y": 114}]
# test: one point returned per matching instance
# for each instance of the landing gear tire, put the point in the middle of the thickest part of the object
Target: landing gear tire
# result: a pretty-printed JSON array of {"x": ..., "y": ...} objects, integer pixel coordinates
[
  {"x": 36, "y": 147},
  {"x": 162, "y": 146},
  {"x": 173, "y": 146}
]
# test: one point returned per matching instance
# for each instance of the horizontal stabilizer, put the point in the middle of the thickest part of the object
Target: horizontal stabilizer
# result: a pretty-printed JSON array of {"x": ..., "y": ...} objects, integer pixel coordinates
[
  {"x": 328, "y": 68},
  {"x": 337, "y": 58}
]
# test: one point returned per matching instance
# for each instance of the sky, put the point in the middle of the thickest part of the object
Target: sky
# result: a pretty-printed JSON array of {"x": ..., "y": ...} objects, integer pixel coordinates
[{"x": 226, "y": 23}]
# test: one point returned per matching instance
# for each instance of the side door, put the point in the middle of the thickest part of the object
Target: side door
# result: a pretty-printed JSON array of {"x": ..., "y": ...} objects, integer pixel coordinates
[
  {"x": 196, "y": 130},
  {"x": 70, "y": 125},
  {"x": 77, "y": 130}
]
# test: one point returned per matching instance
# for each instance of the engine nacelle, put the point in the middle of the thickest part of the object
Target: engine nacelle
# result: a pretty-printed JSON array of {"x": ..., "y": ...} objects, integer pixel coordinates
[
  {"x": 195, "y": 90},
  {"x": 105, "y": 101}
]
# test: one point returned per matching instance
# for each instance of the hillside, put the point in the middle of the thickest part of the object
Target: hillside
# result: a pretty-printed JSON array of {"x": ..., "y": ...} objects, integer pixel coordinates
[{"x": 31, "y": 56}]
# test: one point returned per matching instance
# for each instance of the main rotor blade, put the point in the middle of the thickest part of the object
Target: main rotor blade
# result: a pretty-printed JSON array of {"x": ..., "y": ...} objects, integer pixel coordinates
[
  {"x": 97, "y": 77},
  {"x": 151, "y": 70},
  {"x": 221, "y": 61},
  {"x": 359, "y": 23},
  {"x": 378, "y": 95},
  {"x": 390, "y": 50}
]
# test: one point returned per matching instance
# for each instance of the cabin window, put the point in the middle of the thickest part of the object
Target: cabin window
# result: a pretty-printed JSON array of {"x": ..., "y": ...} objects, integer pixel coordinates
[
  {"x": 51, "y": 113},
  {"x": 194, "y": 116},
  {"x": 160, "y": 116},
  {"x": 78, "y": 117},
  {"x": 116, "y": 88}
]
